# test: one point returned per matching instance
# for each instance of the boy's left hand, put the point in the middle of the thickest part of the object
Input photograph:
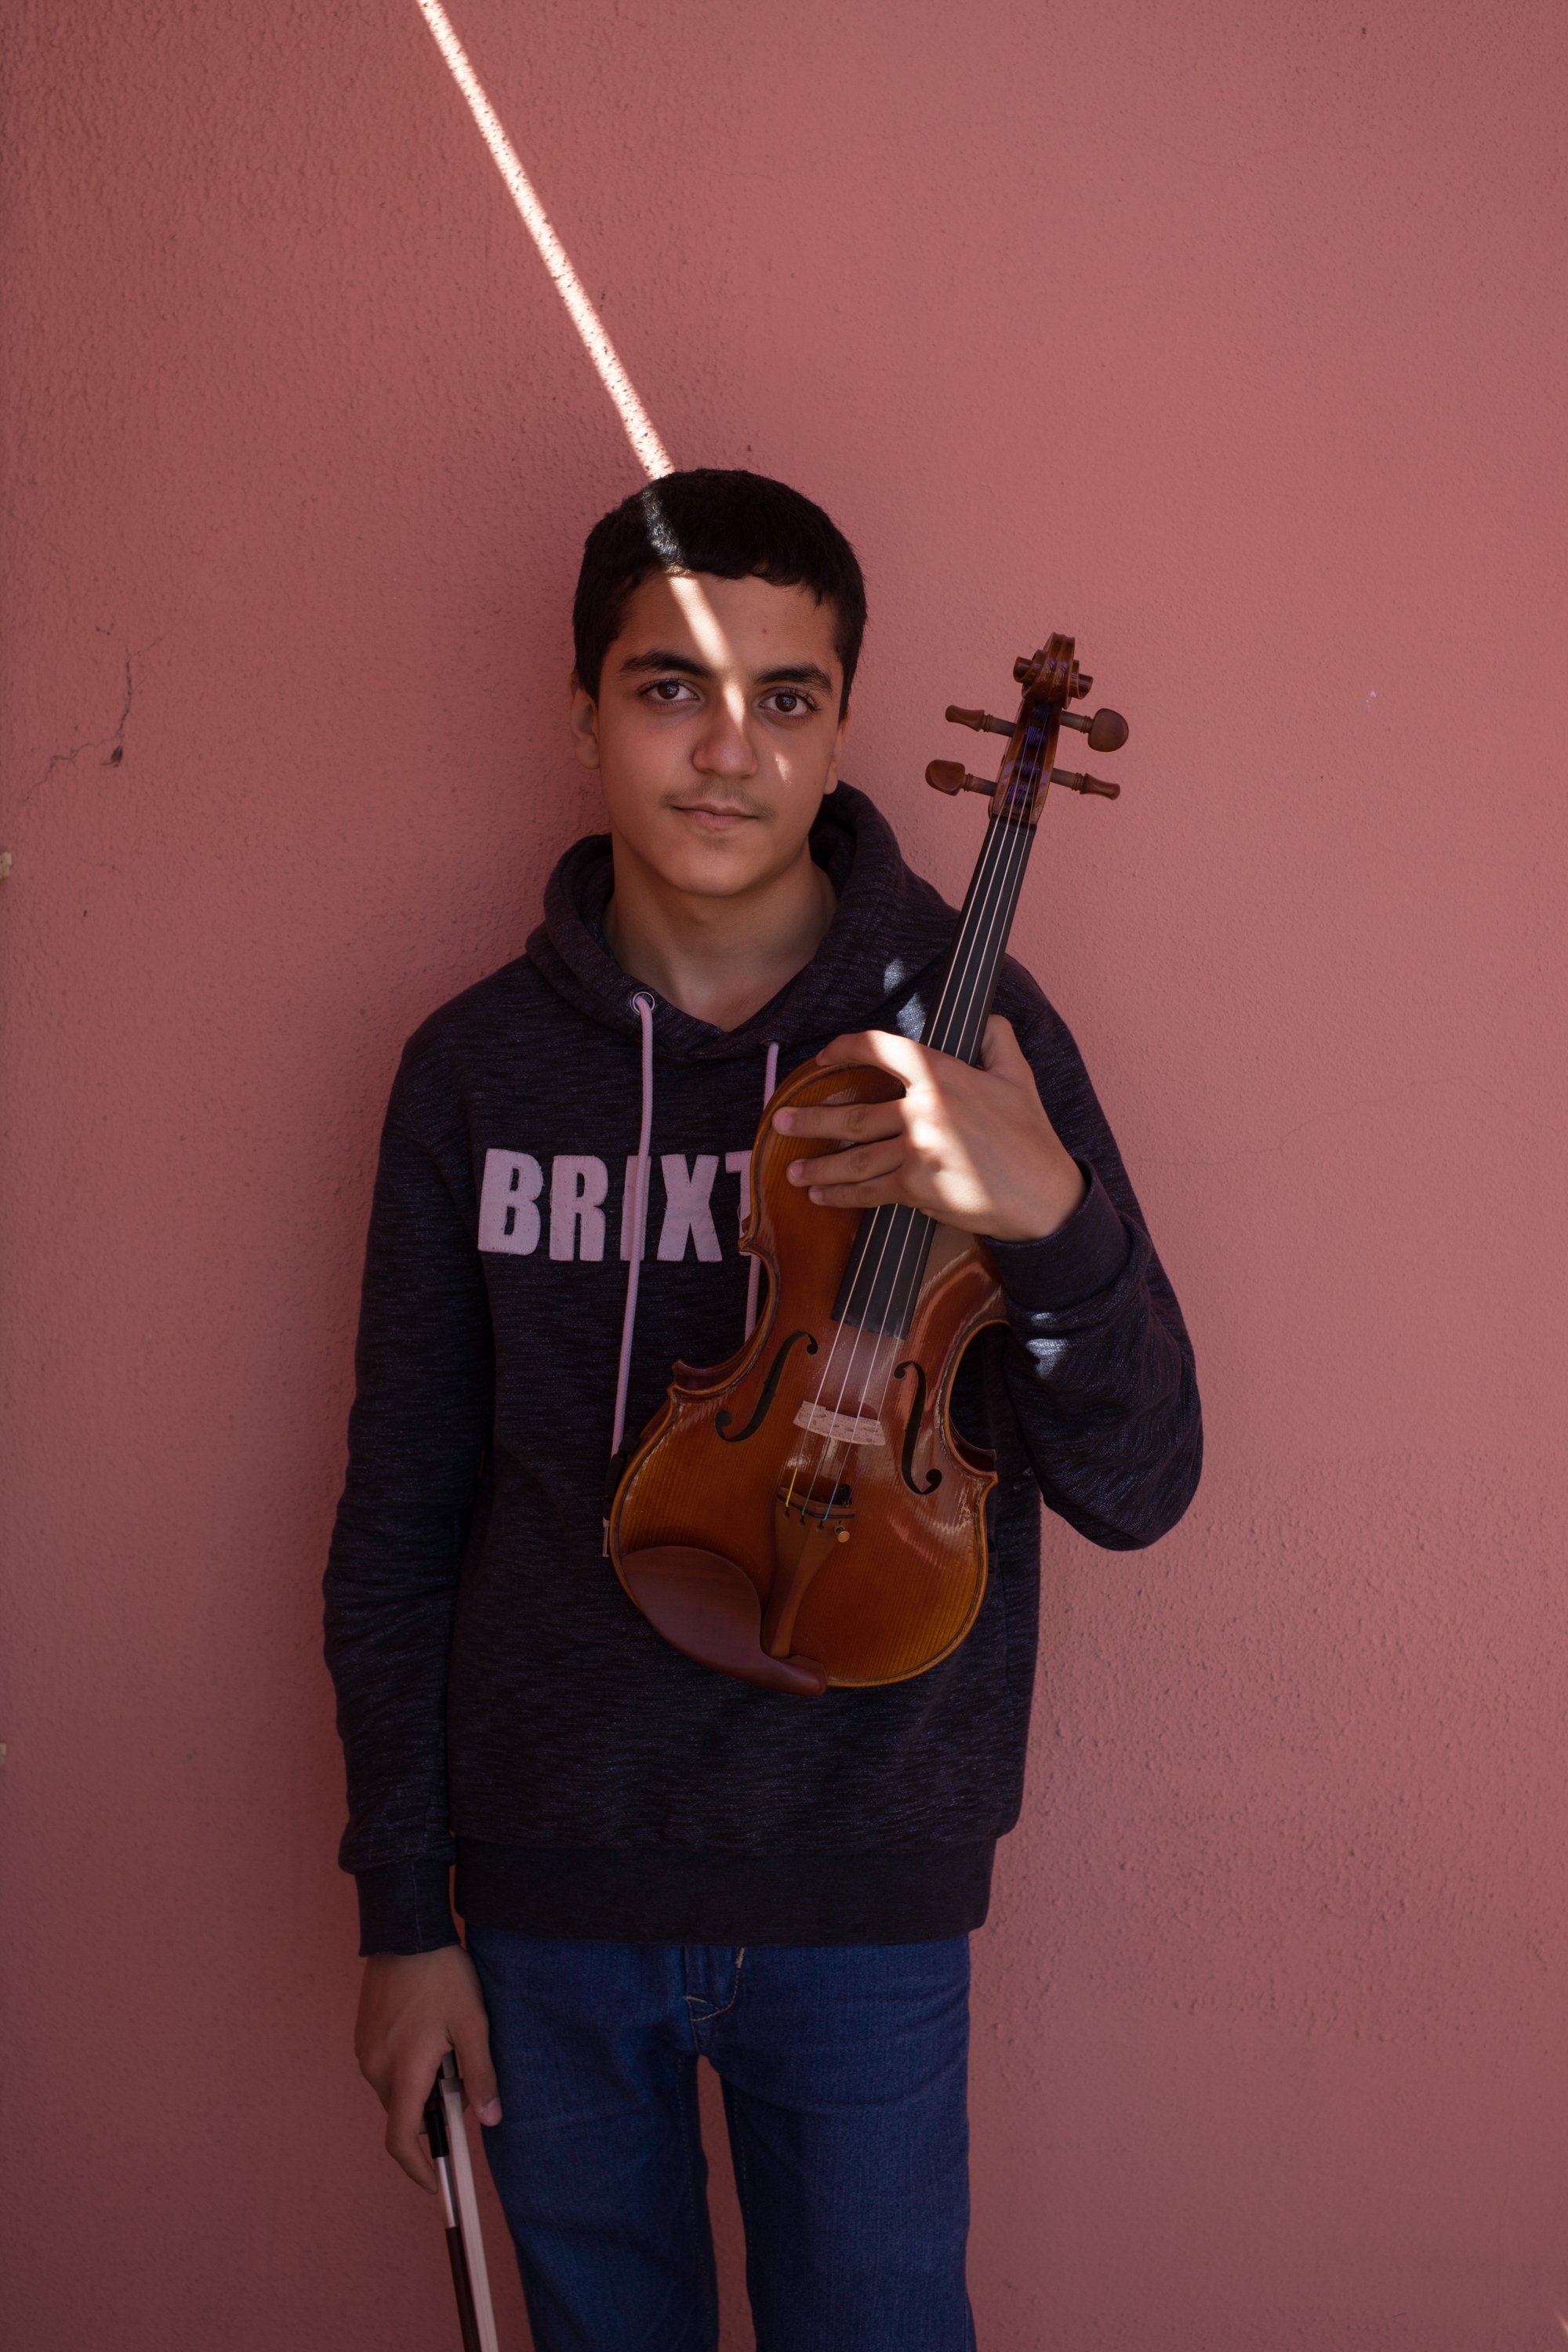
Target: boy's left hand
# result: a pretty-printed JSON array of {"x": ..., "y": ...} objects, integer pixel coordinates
[{"x": 972, "y": 1148}]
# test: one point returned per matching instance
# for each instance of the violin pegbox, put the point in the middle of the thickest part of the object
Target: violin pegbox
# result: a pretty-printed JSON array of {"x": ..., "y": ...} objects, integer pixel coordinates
[{"x": 1050, "y": 679}]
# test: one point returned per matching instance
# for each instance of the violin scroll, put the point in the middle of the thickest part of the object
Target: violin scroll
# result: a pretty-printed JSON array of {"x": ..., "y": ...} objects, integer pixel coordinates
[
  {"x": 1052, "y": 675},
  {"x": 1050, "y": 679}
]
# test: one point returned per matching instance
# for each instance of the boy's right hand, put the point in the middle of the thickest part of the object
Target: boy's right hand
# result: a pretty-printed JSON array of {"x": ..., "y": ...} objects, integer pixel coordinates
[{"x": 413, "y": 2009}]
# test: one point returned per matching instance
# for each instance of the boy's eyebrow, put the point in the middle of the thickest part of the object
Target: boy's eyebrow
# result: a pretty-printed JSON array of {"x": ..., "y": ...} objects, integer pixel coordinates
[
  {"x": 783, "y": 674},
  {"x": 659, "y": 659}
]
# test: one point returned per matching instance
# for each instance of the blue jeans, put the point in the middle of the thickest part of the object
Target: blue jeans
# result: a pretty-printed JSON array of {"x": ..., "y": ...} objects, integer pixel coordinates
[{"x": 843, "y": 2071}]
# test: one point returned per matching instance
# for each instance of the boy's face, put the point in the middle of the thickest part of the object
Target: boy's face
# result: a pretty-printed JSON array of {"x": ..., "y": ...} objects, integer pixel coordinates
[{"x": 716, "y": 732}]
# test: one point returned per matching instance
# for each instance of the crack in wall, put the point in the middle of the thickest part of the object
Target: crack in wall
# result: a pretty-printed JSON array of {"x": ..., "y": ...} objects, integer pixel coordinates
[{"x": 115, "y": 739}]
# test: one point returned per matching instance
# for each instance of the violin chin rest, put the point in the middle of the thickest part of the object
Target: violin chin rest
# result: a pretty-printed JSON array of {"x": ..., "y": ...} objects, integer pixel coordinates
[{"x": 708, "y": 1606}]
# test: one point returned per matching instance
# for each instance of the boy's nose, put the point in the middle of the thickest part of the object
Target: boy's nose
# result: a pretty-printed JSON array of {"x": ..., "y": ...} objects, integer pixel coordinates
[{"x": 725, "y": 747}]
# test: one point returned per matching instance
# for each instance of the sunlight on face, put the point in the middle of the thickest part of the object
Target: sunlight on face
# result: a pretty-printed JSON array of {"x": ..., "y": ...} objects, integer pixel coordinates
[
  {"x": 708, "y": 636},
  {"x": 716, "y": 732}
]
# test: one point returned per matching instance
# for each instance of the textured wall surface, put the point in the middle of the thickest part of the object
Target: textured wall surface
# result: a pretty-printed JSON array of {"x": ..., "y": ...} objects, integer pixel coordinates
[{"x": 1226, "y": 338}]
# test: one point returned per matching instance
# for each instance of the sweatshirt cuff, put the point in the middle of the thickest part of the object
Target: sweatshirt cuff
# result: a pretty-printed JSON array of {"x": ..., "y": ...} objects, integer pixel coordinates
[
  {"x": 1068, "y": 1267},
  {"x": 406, "y": 1906}
]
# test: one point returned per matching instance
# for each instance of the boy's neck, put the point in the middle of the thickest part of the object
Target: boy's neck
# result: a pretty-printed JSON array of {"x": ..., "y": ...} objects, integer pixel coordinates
[{"x": 721, "y": 960}]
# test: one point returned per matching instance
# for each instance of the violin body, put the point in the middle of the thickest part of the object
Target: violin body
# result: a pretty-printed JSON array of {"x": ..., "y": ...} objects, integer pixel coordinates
[{"x": 804, "y": 1513}]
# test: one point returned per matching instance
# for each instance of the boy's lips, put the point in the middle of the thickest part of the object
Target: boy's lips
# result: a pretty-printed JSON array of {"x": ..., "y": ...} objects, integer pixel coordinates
[{"x": 711, "y": 815}]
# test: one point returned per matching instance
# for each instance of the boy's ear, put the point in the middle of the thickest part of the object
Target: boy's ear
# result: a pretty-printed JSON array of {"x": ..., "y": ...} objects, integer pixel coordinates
[{"x": 584, "y": 721}]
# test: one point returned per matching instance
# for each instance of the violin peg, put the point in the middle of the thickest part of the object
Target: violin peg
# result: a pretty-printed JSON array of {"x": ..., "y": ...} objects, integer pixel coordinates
[
  {"x": 1081, "y": 784},
  {"x": 1107, "y": 730},
  {"x": 949, "y": 776},
  {"x": 980, "y": 720}
]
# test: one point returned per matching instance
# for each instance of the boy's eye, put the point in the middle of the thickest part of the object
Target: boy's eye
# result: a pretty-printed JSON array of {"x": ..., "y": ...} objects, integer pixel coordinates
[
  {"x": 667, "y": 689},
  {"x": 788, "y": 700}
]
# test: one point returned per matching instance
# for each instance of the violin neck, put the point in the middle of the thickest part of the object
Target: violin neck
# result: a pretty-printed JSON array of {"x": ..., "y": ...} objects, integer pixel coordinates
[
  {"x": 961, "y": 1004},
  {"x": 887, "y": 1262}
]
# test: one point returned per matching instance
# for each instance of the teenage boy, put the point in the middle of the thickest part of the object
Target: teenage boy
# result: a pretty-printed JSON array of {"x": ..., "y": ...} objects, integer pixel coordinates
[{"x": 654, "y": 1860}]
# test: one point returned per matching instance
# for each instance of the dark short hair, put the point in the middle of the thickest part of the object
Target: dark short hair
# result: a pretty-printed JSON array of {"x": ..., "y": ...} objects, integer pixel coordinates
[{"x": 724, "y": 520}]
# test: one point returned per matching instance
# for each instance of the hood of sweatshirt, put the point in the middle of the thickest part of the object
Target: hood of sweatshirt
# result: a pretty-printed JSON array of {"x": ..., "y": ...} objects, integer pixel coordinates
[{"x": 889, "y": 925}]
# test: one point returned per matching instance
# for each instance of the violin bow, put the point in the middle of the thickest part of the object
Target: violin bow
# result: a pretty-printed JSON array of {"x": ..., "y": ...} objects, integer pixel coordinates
[{"x": 449, "y": 2138}]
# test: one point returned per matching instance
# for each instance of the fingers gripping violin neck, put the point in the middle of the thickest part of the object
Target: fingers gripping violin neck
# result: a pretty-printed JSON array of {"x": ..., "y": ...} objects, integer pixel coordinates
[{"x": 805, "y": 1515}]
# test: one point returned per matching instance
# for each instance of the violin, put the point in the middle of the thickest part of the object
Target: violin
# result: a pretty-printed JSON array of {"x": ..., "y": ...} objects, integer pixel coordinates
[{"x": 805, "y": 1515}]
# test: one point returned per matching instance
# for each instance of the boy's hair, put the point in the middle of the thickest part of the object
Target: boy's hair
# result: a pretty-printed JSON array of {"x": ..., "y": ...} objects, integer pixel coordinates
[{"x": 731, "y": 523}]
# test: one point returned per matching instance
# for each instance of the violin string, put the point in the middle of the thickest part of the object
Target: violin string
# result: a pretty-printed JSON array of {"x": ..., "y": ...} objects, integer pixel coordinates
[
  {"x": 994, "y": 877},
  {"x": 991, "y": 909},
  {"x": 999, "y": 920},
  {"x": 1001, "y": 896},
  {"x": 1006, "y": 856},
  {"x": 994, "y": 932},
  {"x": 1012, "y": 847},
  {"x": 990, "y": 857},
  {"x": 990, "y": 942}
]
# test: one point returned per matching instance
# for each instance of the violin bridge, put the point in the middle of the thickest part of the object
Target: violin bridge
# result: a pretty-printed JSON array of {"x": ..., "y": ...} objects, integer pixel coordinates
[{"x": 842, "y": 1428}]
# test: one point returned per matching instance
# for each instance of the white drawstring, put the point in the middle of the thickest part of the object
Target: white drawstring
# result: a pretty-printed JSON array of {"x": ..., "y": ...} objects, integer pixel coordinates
[
  {"x": 640, "y": 1178},
  {"x": 644, "y": 1005},
  {"x": 755, "y": 1279}
]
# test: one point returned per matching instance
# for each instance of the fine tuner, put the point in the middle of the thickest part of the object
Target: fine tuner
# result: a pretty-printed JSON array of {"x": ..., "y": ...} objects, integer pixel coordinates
[{"x": 1107, "y": 732}]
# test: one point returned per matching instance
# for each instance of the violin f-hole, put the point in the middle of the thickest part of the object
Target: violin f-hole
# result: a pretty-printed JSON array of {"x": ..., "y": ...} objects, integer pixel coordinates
[
  {"x": 770, "y": 1390},
  {"x": 913, "y": 1429}
]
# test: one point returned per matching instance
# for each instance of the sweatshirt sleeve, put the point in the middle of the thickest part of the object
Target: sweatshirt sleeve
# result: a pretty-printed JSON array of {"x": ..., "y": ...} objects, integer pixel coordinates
[
  {"x": 417, "y": 1437},
  {"x": 1099, "y": 1367}
]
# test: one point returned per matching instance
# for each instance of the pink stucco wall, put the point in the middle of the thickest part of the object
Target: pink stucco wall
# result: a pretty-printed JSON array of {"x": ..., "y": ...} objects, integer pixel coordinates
[{"x": 1226, "y": 336}]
